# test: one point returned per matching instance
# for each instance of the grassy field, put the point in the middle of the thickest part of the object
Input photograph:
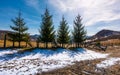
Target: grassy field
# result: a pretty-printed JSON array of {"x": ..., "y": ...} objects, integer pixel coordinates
[
  {"x": 33, "y": 43},
  {"x": 111, "y": 42},
  {"x": 23, "y": 44},
  {"x": 9, "y": 43}
]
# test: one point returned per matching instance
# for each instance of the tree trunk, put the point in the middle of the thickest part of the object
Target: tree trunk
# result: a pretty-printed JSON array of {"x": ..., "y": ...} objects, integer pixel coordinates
[
  {"x": 13, "y": 43},
  {"x": 19, "y": 44},
  {"x": 5, "y": 41},
  {"x": 37, "y": 44},
  {"x": 74, "y": 45},
  {"x": 26, "y": 44},
  {"x": 46, "y": 44},
  {"x": 78, "y": 45},
  {"x": 62, "y": 45},
  {"x": 51, "y": 45}
]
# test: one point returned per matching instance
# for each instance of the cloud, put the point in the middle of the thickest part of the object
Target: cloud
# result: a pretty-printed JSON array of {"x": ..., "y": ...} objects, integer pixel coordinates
[
  {"x": 92, "y": 11},
  {"x": 110, "y": 27},
  {"x": 33, "y": 3},
  {"x": 32, "y": 22}
]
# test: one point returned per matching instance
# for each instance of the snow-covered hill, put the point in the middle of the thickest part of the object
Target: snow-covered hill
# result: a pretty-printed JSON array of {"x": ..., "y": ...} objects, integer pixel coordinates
[{"x": 39, "y": 60}]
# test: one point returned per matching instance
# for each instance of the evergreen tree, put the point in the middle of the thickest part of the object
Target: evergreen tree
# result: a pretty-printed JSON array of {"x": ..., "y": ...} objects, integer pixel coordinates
[
  {"x": 19, "y": 29},
  {"x": 79, "y": 34},
  {"x": 63, "y": 32},
  {"x": 46, "y": 29}
]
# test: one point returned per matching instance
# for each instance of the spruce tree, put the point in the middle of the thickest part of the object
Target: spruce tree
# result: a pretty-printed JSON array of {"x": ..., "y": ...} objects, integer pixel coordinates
[
  {"x": 79, "y": 34},
  {"x": 46, "y": 29},
  {"x": 19, "y": 29},
  {"x": 63, "y": 32}
]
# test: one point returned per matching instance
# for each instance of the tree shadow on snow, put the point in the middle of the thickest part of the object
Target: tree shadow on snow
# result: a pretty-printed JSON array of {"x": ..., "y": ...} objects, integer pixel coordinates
[
  {"x": 42, "y": 52},
  {"x": 77, "y": 51}
]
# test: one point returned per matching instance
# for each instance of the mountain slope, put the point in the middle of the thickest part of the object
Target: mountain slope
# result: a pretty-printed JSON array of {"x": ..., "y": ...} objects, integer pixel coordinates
[{"x": 106, "y": 34}]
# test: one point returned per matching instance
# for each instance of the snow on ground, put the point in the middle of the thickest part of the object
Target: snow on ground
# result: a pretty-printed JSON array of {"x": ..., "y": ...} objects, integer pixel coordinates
[
  {"x": 108, "y": 62},
  {"x": 39, "y": 60},
  {"x": 8, "y": 51}
]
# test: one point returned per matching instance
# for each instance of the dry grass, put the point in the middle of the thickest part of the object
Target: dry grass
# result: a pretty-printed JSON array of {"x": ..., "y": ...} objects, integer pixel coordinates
[
  {"x": 111, "y": 42},
  {"x": 79, "y": 68},
  {"x": 42, "y": 45},
  {"x": 114, "y": 51},
  {"x": 9, "y": 43},
  {"x": 23, "y": 44}
]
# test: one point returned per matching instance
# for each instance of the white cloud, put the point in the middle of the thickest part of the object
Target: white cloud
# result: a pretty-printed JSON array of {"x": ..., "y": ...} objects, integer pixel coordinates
[
  {"x": 92, "y": 11},
  {"x": 33, "y": 3},
  {"x": 32, "y": 21},
  {"x": 110, "y": 27}
]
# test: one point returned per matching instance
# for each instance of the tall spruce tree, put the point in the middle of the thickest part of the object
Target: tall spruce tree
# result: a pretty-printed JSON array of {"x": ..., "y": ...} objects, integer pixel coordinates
[
  {"x": 47, "y": 33},
  {"x": 79, "y": 34},
  {"x": 19, "y": 29},
  {"x": 63, "y": 32}
]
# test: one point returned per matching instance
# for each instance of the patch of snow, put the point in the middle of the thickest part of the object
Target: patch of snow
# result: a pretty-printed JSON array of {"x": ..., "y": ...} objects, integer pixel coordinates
[
  {"x": 40, "y": 60},
  {"x": 3, "y": 52},
  {"x": 107, "y": 63}
]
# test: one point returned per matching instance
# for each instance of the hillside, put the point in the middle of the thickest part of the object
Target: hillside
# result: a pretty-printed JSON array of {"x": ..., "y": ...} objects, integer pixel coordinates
[
  {"x": 3, "y": 32},
  {"x": 106, "y": 34}
]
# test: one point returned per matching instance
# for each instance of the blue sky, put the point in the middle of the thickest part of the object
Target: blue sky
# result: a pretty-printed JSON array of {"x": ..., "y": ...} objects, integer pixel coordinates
[{"x": 96, "y": 14}]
